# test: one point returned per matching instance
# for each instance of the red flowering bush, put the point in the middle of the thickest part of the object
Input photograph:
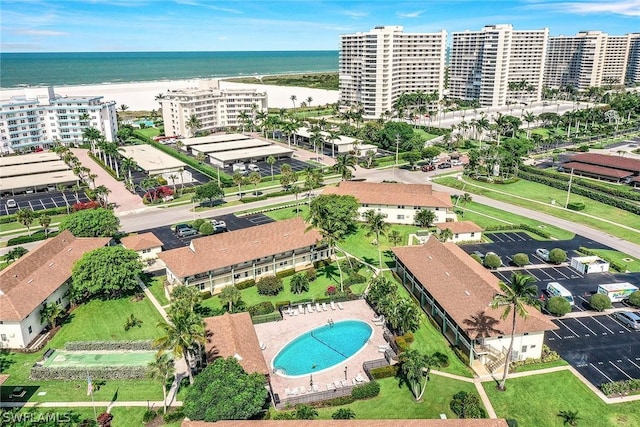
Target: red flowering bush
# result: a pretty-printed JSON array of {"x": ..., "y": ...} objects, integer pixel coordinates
[
  {"x": 331, "y": 290},
  {"x": 159, "y": 193},
  {"x": 92, "y": 204}
]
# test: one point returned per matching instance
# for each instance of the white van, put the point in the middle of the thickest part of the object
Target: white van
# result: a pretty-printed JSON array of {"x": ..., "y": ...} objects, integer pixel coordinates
[
  {"x": 239, "y": 167},
  {"x": 555, "y": 289}
]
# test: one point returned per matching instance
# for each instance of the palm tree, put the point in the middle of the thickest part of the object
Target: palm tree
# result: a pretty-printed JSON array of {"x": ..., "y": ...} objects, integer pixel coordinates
[
  {"x": 61, "y": 188},
  {"x": 305, "y": 412},
  {"x": 173, "y": 178},
  {"x": 128, "y": 164},
  {"x": 395, "y": 238},
  {"x": 296, "y": 190},
  {"x": 91, "y": 135},
  {"x": 293, "y": 99},
  {"x": 50, "y": 313},
  {"x": 92, "y": 177},
  {"x": 230, "y": 295},
  {"x": 515, "y": 298},
  {"x": 529, "y": 117},
  {"x": 343, "y": 164},
  {"x": 569, "y": 417},
  {"x": 45, "y": 221},
  {"x": 102, "y": 193},
  {"x": 376, "y": 225},
  {"x": 445, "y": 235},
  {"x": 193, "y": 124},
  {"x": 333, "y": 135},
  {"x": 413, "y": 368},
  {"x": 161, "y": 369},
  {"x": 425, "y": 217},
  {"x": 238, "y": 180},
  {"x": 309, "y": 101},
  {"x": 466, "y": 198},
  {"x": 76, "y": 188},
  {"x": 255, "y": 178},
  {"x": 184, "y": 333},
  {"x": 271, "y": 161}
]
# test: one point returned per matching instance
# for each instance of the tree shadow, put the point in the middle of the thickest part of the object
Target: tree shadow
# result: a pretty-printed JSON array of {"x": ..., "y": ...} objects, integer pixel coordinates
[
  {"x": 330, "y": 271},
  {"x": 481, "y": 325},
  {"x": 6, "y": 360}
]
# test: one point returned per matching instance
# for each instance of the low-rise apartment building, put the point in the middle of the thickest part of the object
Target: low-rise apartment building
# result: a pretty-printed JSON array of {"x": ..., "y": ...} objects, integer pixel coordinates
[
  {"x": 461, "y": 231},
  {"x": 41, "y": 276},
  {"x": 213, "y": 262},
  {"x": 147, "y": 245},
  {"x": 399, "y": 202}
]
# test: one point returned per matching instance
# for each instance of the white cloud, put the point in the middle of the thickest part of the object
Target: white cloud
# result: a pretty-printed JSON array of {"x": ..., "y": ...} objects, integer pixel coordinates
[
  {"x": 618, "y": 7},
  {"x": 355, "y": 14},
  {"x": 46, "y": 33},
  {"x": 410, "y": 14},
  {"x": 208, "y": 6}
]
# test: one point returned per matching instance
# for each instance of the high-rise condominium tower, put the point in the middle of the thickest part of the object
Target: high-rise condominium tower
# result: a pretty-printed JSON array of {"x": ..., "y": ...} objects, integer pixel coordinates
[
  {"x": 378, "y": 66},
  {"x": 497, "y": 65}
]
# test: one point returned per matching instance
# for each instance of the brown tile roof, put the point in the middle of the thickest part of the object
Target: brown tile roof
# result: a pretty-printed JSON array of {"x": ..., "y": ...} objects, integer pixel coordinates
[
  {"x": 26, "y": 283},
  {"x": 484, "y": 422},
  {"x": 226, "y": 249},
  {"x": 138, "y": 242},
  {"x": 386, "y": 193},
  {"x": 233, "y": 335},
  {"x": 594, "y": 169},
  {"x": 463, "y": 287},
  {"x": 460, "y": 227},
  {"x": 636, "y": 179},
  {"x": 613, "y": 161}
]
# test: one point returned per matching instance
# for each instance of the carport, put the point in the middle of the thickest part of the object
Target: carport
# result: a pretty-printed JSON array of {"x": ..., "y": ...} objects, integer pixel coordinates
[
  {"x": 212, "y": 139},
  {"x": 29, "y": 169},
  {"x": 228, "y": 146},
  {"x": 40, "y": 181},
  {"x": 152, "y": 160},
  {"x": 226, "y": 158},
  {"x": 23, "y": 159}
]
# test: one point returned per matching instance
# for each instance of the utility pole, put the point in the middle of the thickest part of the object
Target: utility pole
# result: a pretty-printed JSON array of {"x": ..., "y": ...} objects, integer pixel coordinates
[
  {"x": 397, "y": 147},
  {"x": 569, "y": 189}
]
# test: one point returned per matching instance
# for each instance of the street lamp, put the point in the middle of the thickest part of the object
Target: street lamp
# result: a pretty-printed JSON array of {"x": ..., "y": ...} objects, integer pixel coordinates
[{"x": 345, "y": 373}]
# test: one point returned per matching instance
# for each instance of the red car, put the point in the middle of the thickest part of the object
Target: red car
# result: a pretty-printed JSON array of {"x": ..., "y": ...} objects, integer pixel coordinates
[{"x": 428, "y": 168}]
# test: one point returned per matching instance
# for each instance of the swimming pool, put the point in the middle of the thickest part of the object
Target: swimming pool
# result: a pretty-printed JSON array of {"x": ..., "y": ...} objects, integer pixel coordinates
[{"x": 322, "y": 348}]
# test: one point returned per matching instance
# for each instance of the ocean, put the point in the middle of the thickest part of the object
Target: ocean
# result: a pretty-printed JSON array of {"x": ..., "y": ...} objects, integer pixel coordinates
[{"x": 70, "y": 69}]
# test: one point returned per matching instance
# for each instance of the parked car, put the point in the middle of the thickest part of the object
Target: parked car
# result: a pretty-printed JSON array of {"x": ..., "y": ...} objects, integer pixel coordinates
[
  {"x": 478, "y": 254},
  {"x": 182, "y": 226},
  {"x": 11, "y": 203},
  {"x": 186, "y": 232},
  {"x": 543, "y": 253},
  {"x": 444, "y": 165},
  {"x": 253, "y": 168},
  {"x": 456, "y": 162},
  {"x": 428, "y": 168},
  {"x": 239, "y": 167},
  {"x": 218, "y": 226},
  {"x": 628, "y": 318}
]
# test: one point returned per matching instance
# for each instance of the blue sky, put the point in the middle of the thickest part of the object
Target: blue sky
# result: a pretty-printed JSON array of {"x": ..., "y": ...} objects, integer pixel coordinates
[{"x": 207, "y": 25}]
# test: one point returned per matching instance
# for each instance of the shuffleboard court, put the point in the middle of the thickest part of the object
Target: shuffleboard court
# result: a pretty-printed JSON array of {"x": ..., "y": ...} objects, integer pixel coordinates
[{"x": 62, "y": 358}]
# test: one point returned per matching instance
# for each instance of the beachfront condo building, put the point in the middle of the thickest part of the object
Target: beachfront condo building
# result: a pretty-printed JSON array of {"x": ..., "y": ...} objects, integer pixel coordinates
[
  {"x": 592, "y": 59},
  {"x": 497, "y": 65},
  {"x": 41, "y": 117},
  {"x": 378, "y": 66},
  {"x": 213, "y": 108}
]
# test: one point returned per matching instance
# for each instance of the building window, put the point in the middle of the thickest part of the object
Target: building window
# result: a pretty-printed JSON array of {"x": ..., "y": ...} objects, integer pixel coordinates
[
  {"x": 400, "y": 207},
  {"x": 473, "y": 234},
  {"x": 30, "y": 329},
  {"x": 146, "y": 251},
  {"x": 400, "y": 217}
]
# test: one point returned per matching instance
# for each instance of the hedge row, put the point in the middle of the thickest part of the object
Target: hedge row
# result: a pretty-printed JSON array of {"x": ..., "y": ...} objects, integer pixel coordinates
[
  {"x": 96, "y": 372},
  {"x": 6, "y": 219},
  {"x": 621, "y": 387},
  {"x": 106, "y": 167},
  {"x": 622, "y": 268},
  {"x": 621, "y": 192},
  {"x": 525, "y": 227},
  {"x": 108, "y": 345},
  {"x": 35, "y": 237},
  {"x": 366, "y": 391},
  {"x": 384, "y": 372},
  {"x": 582, "y": 191}
]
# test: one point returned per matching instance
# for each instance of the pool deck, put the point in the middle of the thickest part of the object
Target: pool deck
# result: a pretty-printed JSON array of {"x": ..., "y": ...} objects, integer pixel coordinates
[{"x": 275, "y": 335}]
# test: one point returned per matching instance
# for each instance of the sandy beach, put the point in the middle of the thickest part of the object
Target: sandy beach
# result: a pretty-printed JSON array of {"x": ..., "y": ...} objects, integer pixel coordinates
[{"x": 141, "y": 95}]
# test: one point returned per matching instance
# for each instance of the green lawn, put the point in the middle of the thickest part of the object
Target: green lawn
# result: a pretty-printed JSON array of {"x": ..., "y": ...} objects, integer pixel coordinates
[
  {"x": 149, "y": 132},
  {"x": 543, "y": 195},
  {"x": 395, "y": 401},
  {"x": 122, "y": 416},
  {"x": 35, "y": 226},
  {"x": 536, "y": 401},
  {"x": 358, "y": 244},
  {"x": 632, "y": 266},
  {"x": 157, "y": 289},
  {"x": 289, "y": 212}
]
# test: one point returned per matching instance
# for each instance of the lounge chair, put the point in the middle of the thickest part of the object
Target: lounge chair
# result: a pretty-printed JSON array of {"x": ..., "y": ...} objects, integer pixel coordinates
[
  {"x": 340, "y": 306},
  {"x": 309, "y": 308},
  {"x": 294, "y": 391},
  {"x": 316, "y": 388},
  {"x": 344, "y": 383},
  {"x": 377, "y": 319},
  {"x": 331, "y": 386},
  {"x": 359, "y": 378},
  {"x": 337, "y": 383},
  {"x": 333, "y": 305},
  {"x": 262, "y": 346},
  {"x": 295, "y": 312},
  {"x": 303, "y": 390},
  {"x": 318, "y": 309},
  {"x": 301, "y": 307},
  {"x": 324, "y": 306},
  {"x": 287, "y": 391}
]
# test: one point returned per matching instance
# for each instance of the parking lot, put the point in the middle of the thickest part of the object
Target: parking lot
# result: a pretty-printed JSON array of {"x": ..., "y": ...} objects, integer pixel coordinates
[
  {"x": 171, "y": 241},
  {"x": 198, "y": 178},
  {"x": 599, "y": 347},
  {"x": 265, "y": 168},
  {"x": 41, "y": 200}
]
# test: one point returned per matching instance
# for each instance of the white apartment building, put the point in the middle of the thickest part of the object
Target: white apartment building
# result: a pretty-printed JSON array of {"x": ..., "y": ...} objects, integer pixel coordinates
[
  {"x": 484, "y": 62},
  {"x": 592, "y": 59},
  {"x": 378, "y": 66},
  {"x": 215, "y": 108},
  {"x": 40, "y": 117}
]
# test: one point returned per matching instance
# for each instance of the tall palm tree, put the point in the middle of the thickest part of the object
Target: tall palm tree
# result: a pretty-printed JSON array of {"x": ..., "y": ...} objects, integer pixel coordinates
[
  {"x": 238, "y": 180},
  {"x": 413, "y": 368},
  {"x": 309, "y": 101},
  {"x": 184, "y": 334},
  {"x": 344, "y": 164},
  {"x": 102, "y": 193},
  {"x": 514, "y": 299},
  {"x": 333, "y": 135},
  {"x": 193, "y": 124},
  {"x": 45, "y": 221},
  {"x": 230, "y": 295},
  {"x": 376, "y": 225},
  {"x": 425, "y": 217},
  {"x": 161, "y": 369},
  {"x": 293, "y": 99},
  {"x": 128, "y": 164},
  {"x": 271, "y": 161},
  {"x": 91, "y": 135},
  {"x": 529, "y": 117}
]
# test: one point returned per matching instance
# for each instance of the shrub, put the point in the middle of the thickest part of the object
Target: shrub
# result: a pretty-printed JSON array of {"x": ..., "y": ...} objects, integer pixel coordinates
[
  {"x": 259, "y": 309},
  {"x": 492, "y": 261},
  {"x": 35, "y": 237},
  {"x": 384, "y": 372},
  {"x": 284, "y": 415},
  {"x": 558, "y": 306},
  {"x": 621, "y": 387},
  {"x": 576, "y": 206},
  {"x": 198, "y": 223},
  {"x": 331, "y": 290},
  {"x": 108, "y": 345},
  {"x": 149, "y": 415},
  {"x": 91, "y": 204},
  {"x": 281, "y": 304},
  {"x": 557, "y": 256},
  {"x": 337, "y": 401},
  {"x": 366, "y": 391},
  {"x": 286, "y": 273},
  {"x": 521, "y": 259},
  {"x": 634, "y": 299},
  {"x": 172, "y": 417},
  {"x": 206, "y": 229},
  {"x": 245, "y": 285},
  {"x": 269, "y": 285},
  {"x": 81, "y": 373},
  {"x": 299, "y": 283},
  {"x": 311, "y": 274},
  {"x": 599, "y": 302},
  {"x": 476, "y": 258},
  {"x": 402, "y": 344},
  {"x": 408, "y": 337},
  {"x": 466, "y": 405},
  {"x": 343, "y": 414}
]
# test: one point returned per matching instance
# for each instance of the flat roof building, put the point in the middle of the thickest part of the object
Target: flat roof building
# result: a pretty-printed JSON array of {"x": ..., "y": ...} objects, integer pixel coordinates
[
  {"x": 227, "y": 158},
  {"x": 151, "y": 159},
  {"x": 212, "y": 139},
  {"x": 23, "y": 159},
  {"x": 40, "y": 181},
  {"x": 32, "y": 168},
  {"x": 229, "y": 146}
]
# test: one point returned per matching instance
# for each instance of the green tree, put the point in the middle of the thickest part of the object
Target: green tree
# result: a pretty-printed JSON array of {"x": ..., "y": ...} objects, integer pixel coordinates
[
  {"x": 402, "y": 314},
  {"x": 184, "y": 335},
  {"x": 162, "y": 370},
  {"x": 634, "y": 299},
  {"x": 184, "y": 299},
  {"x": 193, "y": 124},
  {"x": 239, "y": 180},
  {"x": 128, "y": 165},
  {"x": 344, "y": 164},
  {"x": 412, "y": 157},
  {"x": 334, "y": 216},
  {"x": 255, "y": 179},
  {"x": 50, "y": 313},
  {"x": 132, "y": 322},
  {"x": 201, "y": 157},
  {"x": 569, "y": 417},
  {"x": 343, "y": 414},
  {"x": 558, "y": 306},
  {"x": 15, "y": 253},
  {"x": 600, "y": 302},
  {"x": 430, "y": 152},
  {"x": 514, "y": 299},
  {"x": 230, "y": 295},
  {"x": 445, "y": 235},
  {"x": 305, "y": 412},
  {"x": 413, "y": 366},
  {"x": 25, "y": 217},
  {"x": 224, "y": 391},
  {"x": 376, "y": 225},
  {"x": 467, "y": 405},
  {"x": 492, "y": 261},
  {"x": 395, "y": 238},
  {"x": 299, "y": 283},
  {"x": 206, "y": 228},
  {"x": 271, "y": 161},
  {"x": 106, "y": 273},
  {"x": 425, "y": 217},
  {"x": 521, "y": 259},
  {"x": 557, "y": 256},
  {"x": 91, "y": 223},
  {"x": 209, "y": 191}
]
